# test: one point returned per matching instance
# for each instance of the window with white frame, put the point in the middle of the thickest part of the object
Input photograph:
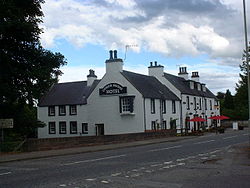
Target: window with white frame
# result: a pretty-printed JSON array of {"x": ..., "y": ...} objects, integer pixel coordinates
[
  {"x": 73, "y": 127},
  {"x": 85, "y": 128},
  {"x": 62, "y": 127},
  {"x": 188, "y": 103},
  {"x": 163, "y": 106},
  {"x": 52, "y": 127},
  {"x": 173, "y": 107},
  {"x": 152, "y": 106},
  {"x": 51, "y": 111},
  {"x": 195, "y": 104},
  {"x": 127, "y": 104},
  {"x": 62, "y": 110},
  {"x": 72, "y": 110}
]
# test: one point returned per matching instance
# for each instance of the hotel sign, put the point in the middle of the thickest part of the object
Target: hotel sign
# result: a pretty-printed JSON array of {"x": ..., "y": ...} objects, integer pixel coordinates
[{"x": 112, "y": 89}]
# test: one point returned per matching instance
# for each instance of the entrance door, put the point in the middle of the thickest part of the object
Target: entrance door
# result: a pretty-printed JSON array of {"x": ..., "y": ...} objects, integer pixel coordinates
[{"x": 99, "y": 129}]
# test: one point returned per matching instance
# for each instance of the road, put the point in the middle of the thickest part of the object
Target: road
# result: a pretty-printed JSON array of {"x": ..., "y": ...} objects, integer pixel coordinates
[{"x": 169, "y": 164}]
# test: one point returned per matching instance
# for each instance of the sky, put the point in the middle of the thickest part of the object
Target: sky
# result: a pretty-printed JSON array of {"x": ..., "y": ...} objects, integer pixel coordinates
[{"x": 203, "y": 35}]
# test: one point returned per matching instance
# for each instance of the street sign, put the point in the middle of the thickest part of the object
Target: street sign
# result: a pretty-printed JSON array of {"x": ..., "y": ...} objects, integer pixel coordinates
[{"x": 6, "y": 123}]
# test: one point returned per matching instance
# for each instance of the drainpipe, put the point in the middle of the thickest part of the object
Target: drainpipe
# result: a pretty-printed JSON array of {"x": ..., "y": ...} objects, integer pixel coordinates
[{"x": 144, "y": 114}]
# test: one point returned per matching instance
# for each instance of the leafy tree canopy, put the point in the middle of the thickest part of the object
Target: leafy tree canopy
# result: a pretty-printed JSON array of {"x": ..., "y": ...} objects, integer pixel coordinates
[{"x": 27, "y": 70}]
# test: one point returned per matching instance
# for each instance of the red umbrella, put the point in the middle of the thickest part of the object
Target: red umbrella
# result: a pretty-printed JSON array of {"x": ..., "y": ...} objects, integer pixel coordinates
[
  {"x": 219, "y": 117},
  {"x": 197, "y": 119}
]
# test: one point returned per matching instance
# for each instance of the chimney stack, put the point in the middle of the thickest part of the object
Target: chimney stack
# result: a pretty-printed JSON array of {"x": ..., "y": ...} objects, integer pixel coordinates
[
  {"x": 195, "y": 76},
  {"x": 183, "y": 73},
  {"x": 114, "y": 64},
  {"x": 155, "y": 70},
  {"x": 91, "y": 77}
]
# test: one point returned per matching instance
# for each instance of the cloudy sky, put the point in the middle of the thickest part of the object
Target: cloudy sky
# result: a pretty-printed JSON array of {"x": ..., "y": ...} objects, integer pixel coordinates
[{"x": 204, "y": 35}]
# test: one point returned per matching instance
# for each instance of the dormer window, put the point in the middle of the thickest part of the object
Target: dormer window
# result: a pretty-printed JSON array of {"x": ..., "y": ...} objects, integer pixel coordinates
[
  {"x": 191, "y": 85},
  {"x": 199, "y": 86}
]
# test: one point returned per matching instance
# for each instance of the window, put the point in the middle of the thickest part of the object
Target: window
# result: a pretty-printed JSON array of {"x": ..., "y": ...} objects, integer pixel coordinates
[
  {"x": 195, "y": 105},
  {"x": 62, "y": 110},
  {"x": 205, "y": 104},
  {"x": 85, "y": 128},
  {"x": 173, "y": 107},
  {"x": 210, "y": 104},
  {"x": 62, "y": 127},
  {"x": 51, "y": 111},
  {"x": 152, "y": 106},
  {"x": 52, "y": 127},
  {"x": 73, "y": 127},
  {"x": 164, "y": 124},
  {"x": 188, "y": 104},
  {"x": 127, "y": 104},
  {"x": 72, "y": 110},
  {"x": 200, "y": 104},
  {"x": 153, "y": 125},
  {"x": 163, "y": 106}
]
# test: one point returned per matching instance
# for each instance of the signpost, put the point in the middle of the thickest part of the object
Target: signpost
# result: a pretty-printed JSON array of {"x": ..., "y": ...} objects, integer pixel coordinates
[{"x": 5, "y": 124}]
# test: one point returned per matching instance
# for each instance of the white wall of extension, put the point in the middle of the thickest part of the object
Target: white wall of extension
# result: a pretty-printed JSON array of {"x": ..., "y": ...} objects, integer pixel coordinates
[{"x": 81, "y": 117}]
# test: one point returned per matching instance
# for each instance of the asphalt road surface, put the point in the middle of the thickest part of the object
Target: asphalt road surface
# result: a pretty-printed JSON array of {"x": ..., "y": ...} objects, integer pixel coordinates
[{"x": 204, "y": 161}]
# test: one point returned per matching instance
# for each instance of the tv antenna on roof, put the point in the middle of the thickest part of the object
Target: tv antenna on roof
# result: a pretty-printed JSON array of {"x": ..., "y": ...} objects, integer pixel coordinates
[{"x": 127, "y": 47}]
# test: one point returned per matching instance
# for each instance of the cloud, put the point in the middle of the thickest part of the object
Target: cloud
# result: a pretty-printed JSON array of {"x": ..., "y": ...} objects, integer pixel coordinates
[{"x": 172, "y": 28}]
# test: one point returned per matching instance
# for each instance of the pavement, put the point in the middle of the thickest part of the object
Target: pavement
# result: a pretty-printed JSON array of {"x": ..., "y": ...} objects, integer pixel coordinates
[{"x": 9, "y": 157}]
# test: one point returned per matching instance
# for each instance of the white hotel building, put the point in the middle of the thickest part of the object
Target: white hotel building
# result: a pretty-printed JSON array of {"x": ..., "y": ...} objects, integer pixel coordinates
[{"x": 126, "y": 102}]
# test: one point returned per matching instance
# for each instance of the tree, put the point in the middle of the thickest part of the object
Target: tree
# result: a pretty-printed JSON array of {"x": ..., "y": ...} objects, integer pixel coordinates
[
  {"x": 241, "y": 96},
  {"x": 228, "y": 100},
  {"x": 27, "y": 70}
]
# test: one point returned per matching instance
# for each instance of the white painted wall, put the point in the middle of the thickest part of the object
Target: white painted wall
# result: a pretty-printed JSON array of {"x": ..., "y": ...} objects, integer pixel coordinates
[
  {"x": 81, "y": 117},
  {"x": 106, "y": 110},
  {"x": 156, "y": 116}
]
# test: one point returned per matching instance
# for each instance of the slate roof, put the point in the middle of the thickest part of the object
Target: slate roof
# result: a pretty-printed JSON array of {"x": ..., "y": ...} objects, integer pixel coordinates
[
  {"x": 69, "y": 93},
  {"x": 149, "y": 86},
  {"x": 183, "y": 86}
]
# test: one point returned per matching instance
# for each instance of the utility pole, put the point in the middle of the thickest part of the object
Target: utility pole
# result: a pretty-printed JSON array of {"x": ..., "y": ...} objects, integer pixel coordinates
[{"x": 247, "y": 62}]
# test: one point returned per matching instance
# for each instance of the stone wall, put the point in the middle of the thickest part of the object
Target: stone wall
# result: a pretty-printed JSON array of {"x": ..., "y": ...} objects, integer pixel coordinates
[{"x": 69, "y": 142}]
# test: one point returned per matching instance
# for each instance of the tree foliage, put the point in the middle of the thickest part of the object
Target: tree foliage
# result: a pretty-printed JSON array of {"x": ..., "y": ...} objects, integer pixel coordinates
[{"x": 27, "y": 70}]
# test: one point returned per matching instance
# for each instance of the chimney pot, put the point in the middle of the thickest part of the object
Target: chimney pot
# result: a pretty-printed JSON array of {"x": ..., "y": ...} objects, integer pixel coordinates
[
  {"x": 110, "y": 54},
  {"x": 151, "y": 64},
  {"x": 115, "y": 54}
]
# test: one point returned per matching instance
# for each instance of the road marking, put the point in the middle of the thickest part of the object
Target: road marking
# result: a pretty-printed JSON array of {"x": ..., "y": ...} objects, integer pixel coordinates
[
  {"x": 5, "y": 173},
  {"x": 116, "y": 174},
  {"x": 90, "y": 179},
  {"x": 204, "y": 142},
  {"x": 168, "y": 162},
  {"x": 246, "y": 134},
  {"x": 154, "y": 165},
  {"x": 104, "y": 181},
  {"x": 180, "y": 164},
  {"x": 229, "y": 137},
  {"x": 173, "y": 147},
  {"x": 93, "y": 160},
  {"x": 63, "y": 185},
  {"x": 183, "y": 159},
  {"x": 216, "y": 151}
]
